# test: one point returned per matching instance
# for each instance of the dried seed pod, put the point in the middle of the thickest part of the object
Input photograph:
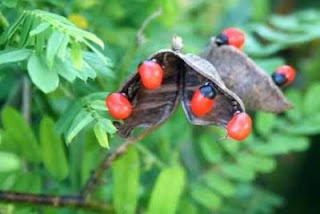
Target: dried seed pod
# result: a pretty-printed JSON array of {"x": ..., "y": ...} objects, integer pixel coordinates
[
  {"x": 242, "y": 76},
  {"x": 152, "y": 107},
  {"x": 197, "y": 72},
  {"x": 183, "y": 74}
]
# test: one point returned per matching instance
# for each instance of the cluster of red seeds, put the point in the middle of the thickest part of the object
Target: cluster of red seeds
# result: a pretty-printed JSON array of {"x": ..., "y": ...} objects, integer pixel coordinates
[
  {"x": 203, "y": 99},
  {"x": 239, "y": 127},
  {"x": 202, "y": 102},
  {"x": 283, "y": 76}
]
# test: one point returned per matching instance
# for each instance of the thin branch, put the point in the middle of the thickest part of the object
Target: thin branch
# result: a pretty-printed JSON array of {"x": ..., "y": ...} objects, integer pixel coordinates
[
  {"x": 98, "y": 173},
  {"x": 140, "y": 36},
  {"x": 128, "y": 57},
  {"x": 55, "y": 201},
  {"x": 80, "y": 201},
  {"x": 26, "y": 98}
]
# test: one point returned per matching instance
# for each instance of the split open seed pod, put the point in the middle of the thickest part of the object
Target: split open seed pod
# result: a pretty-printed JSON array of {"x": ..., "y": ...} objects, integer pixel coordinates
[
  {"x": 183, "y": 74},
  {"x": 242, "y": 76}
]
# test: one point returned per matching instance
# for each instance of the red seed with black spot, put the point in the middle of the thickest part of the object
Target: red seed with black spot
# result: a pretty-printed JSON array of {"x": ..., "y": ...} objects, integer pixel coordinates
[
  {"x": 284, "y": 75},
  {"x": 202, "y": 100},
  {"x": 231, "y": 36}
]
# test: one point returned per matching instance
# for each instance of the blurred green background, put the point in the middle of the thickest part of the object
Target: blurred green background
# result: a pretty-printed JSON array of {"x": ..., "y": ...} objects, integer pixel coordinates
[{"x": 179, "y": 168}]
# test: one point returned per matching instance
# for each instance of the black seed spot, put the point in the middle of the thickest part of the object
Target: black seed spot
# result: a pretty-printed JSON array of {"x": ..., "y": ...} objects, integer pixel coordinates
[
  {"x": 207, "y": 90},
  {"x": 279, "y": 79},
  {"x": 221, "y": 40}
]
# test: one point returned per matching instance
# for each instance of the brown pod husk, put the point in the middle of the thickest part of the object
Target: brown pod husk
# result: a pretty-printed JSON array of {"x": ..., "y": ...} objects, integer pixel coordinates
[
  {"x": 242, "y": 76},
  {"x": 183, "y": 74}
]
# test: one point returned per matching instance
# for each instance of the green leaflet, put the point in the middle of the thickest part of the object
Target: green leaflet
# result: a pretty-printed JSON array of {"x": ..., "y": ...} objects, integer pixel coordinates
[
  {"x": 21, "y": 134},
  {"x": 311, "y": 105},
  {"x": 54, "y": 157},
  {"x": 205, "y": 197},
  {"x": 125, "y": 177},
  {"x": 166, "y": 193},
  {"x": 14, "y": 55},
  {"x": 96, "y": 51},
  {"x": 90, "y": 158},
  {"x": 27, "y": 26},
  {"x": 258, "y": 163},
  {"x": 65, "y": 69},
  {"x": 6, "y": 36},
  {"x": 46, "y": 79},
  {"x": 10, "y": 3},
  {"x": 82, "y": 119},
  {"x": 211, "y": 151},
  {"x": 101, "y": 136},
  {"x": 281, "y": 144},
  {"x": 307, "y": 126},
  {"x": 68, "y": 116},
  {"x": 39, "y": 43},
  {"x": 27, "y": 182},
  {"x": 186, "y": 206},
  {"x": 39, "y": 29},
  {"x": 219, "y": 184},
  {"x": 98, "y": 105},
  {"x": 9, "y": 162},
  {"x": 100, "y": 66},
  {"x": 295, "y": 114},
  {"x": 108, "y": 126},
  {"x": 76, "y": 55},
  {"x": 237, "y": 172},
  {"x": 286, "y": 23},
  {"x": 63, "y": 49},
  {"x": 55, "y": 41},
  {"x": 264, "y": 123}
]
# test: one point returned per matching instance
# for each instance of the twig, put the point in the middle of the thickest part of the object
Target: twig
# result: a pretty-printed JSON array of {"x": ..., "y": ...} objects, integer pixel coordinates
[
  {"x": 139, "y": 35},
  {"x": 128, "y": 57},
  {"x": 98, "y": 173},
  {"x": 55, "y": 201},
  {"x": 80, "y": 201},
  {"x": 26, "y": 98}
]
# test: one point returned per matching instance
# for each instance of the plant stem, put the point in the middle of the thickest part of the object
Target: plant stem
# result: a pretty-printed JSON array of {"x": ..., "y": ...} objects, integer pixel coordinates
[
  {"x": 128, "y": 57},
  {"x": 26, "y": 98},
  {"x": 55, "y": 201},
  {"x": 97, "y": 175}
]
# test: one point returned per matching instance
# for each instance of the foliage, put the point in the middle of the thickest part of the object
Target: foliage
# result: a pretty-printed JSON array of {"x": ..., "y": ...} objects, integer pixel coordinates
[{"x": 179, "y": 168}]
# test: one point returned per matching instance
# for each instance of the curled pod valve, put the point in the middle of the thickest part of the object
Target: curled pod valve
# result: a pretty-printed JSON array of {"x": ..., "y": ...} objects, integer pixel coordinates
[
  {"x": 202, "y": 100},
  {"x": 151, "y": 74},
  {"x": 239, "y": 127},
  {"x": 119, "y": 106},
  {"x": 231, "y": 36},
  {"x": 284, "y": 75}
]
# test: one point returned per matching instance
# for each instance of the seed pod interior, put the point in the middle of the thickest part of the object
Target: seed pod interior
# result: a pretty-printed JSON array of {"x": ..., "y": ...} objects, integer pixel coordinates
[
  {"x": 182, "y": 75},
  {"x": 151, "y": 107},
  {"x": 198, "y": 71}
]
